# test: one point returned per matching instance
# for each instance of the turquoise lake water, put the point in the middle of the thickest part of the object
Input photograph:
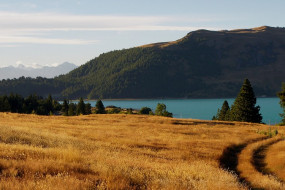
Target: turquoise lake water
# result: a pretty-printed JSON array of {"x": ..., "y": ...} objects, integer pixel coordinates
[{"x": 199, "y": 108}]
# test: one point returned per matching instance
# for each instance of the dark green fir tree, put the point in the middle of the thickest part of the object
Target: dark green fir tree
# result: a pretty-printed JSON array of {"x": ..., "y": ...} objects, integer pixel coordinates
[
  {"x": 100, "y": 109},
  {"x": 281, "y": 95},
  {"x": 243, "y": 108},
  {"x": 65, "y": 107},
  {"x": 80, "y": 107},
  {"x": 88, "y": 109},
  {"x": 224, "y": 112},
  {"x": 71, "y": 109},
  {"x": 49, "y": 105}
]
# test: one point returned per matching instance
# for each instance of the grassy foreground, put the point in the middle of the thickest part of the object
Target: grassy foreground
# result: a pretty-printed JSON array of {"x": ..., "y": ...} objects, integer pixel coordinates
[
  {"x": 120, "y": 152},
  {"x": 275, "y": 159}
]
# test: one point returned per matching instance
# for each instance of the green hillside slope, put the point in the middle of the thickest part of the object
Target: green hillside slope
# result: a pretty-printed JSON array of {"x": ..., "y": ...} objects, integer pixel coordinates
[{"x": 203, "y": 64}]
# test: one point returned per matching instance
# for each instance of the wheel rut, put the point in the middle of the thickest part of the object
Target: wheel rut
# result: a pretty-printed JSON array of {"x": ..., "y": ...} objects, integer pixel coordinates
[
  {"x": 246, "y": 160},
  {"x": 229, "y": 159},
  {"x": 258, "y": 160}
]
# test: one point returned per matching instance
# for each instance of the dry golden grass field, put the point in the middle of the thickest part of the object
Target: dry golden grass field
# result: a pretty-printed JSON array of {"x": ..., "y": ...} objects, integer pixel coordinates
[{"x": 137, "y": 152}]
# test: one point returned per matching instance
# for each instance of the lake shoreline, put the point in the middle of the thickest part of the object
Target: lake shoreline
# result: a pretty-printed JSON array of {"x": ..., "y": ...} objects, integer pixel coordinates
[
  {"x": 147, "y": 99},
  {"x": 203, "y": 109}
]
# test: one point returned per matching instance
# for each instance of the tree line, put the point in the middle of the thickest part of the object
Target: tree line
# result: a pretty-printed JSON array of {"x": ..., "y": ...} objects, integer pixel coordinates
[
  {"x": 243, "y": 108},
  {"x": 34, "y": 104},
  {"x": 71, "y": 109}
]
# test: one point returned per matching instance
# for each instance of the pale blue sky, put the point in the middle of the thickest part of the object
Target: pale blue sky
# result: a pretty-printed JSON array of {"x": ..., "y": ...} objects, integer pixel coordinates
[{"x": 41, "y": 32}]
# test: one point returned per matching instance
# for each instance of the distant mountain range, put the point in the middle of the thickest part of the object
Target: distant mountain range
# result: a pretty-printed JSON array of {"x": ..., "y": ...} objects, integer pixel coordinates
[
  {"x": 45, "y": 71},
  {"x": 203, "y": 64}
]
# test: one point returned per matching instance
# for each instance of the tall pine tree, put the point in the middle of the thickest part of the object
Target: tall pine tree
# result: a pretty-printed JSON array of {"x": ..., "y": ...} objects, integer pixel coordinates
[
  {"x": 281, "y": 95},
  {"x": 65, "y": 107},
  {"x": 80, "y": 107},
  {"x": 88, "y": 109},
  {"x": 100, "y": 109},
  {"x": 223, "y": 113},
  {"x": 71, "y": 109},
  {"x": 243, "y": 108}
]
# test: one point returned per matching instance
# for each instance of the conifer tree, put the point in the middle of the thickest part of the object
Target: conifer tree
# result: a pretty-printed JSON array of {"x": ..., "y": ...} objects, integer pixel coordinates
[
  {"x": 16, "y": 102},
  {"x": 281, "y": 95},
  {"x": 65, "y": 107},
  {"x": 243, "y": 108},
  {"x": 100, "y": 109},
  {"x": 71, "y": 109},
  {"x": 31, "y": 104},
  {"x": 223, "y": 113},
  {"x": 80, "y": 107},
  {"x": 48, "y": 104},
  {"x": 4, "y": 104},
  {"x": 87, "y": 109}
]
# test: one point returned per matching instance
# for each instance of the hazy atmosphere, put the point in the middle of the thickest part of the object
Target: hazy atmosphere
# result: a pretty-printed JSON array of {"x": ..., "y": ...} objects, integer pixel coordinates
[
  {"x": 128, "y": 94},
  {"x": 49, "y": 33}
]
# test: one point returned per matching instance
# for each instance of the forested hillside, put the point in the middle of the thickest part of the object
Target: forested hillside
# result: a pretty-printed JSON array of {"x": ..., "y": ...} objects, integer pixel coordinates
[{"x": 203, "y": 64}]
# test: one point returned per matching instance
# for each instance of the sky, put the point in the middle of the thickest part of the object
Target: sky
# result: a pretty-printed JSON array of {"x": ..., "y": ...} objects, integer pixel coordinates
[{"x": 47, "y": 33}]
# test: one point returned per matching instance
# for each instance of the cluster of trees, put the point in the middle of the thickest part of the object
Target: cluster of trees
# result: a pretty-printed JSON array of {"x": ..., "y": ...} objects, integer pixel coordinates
[
  {"x": 160, "y": 111},
  {"x": 99, "y": 107},
  {"x": 35, "y": 104},
  {"x": 243, "y": 108},
  {"x": 81, "y": 108},
  {"x": 32, "y": 104},
  {"x": 71, "y": 109}
]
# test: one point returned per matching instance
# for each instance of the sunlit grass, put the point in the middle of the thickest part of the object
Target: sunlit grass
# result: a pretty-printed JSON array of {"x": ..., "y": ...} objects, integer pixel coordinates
[
  {"x": 249, "y": 170},
  {"x": 275, "y": 159},
  {"x": 117, "y": 152}
]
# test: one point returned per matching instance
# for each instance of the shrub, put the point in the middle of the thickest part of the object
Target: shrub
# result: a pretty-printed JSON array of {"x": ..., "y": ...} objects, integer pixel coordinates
[
  {"x": 161, "y": 110},
  {"x": 114, "y": 110},
  {"x": 145, "y": 111},
  {"x": 129, "y": 111},
  {"x": 268, "y": 133}
]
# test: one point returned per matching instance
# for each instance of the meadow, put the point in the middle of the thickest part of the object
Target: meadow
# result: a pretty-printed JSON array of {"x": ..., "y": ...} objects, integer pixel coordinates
[{"x": 137, "y": 152}]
